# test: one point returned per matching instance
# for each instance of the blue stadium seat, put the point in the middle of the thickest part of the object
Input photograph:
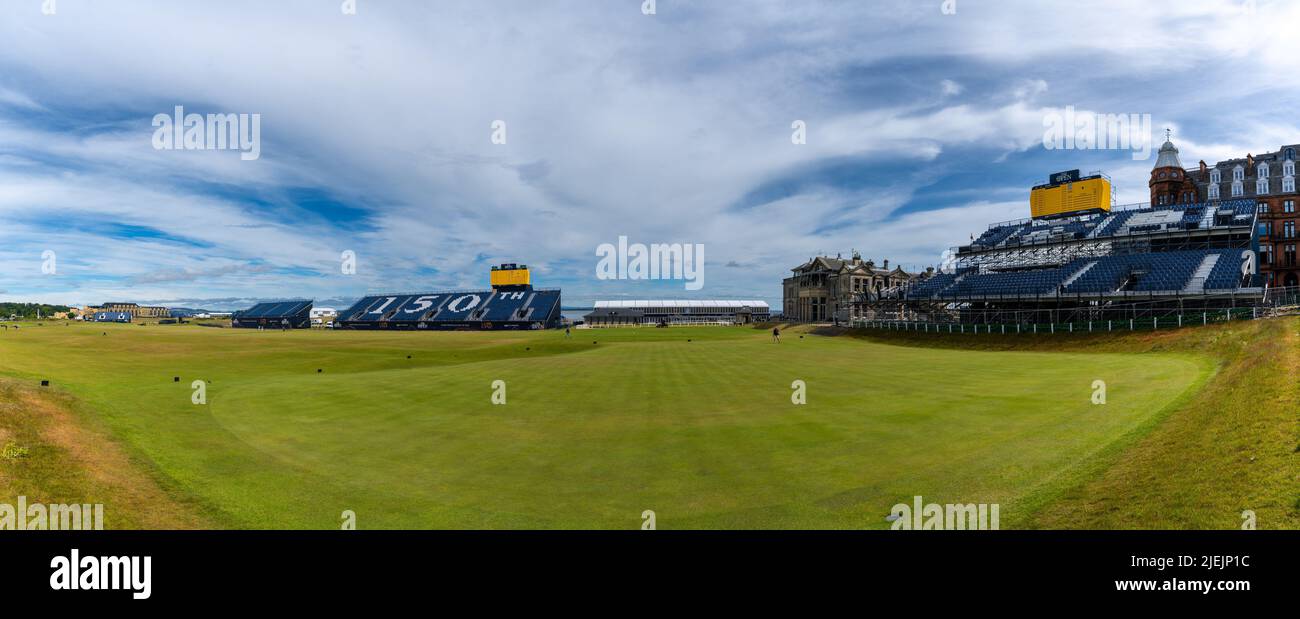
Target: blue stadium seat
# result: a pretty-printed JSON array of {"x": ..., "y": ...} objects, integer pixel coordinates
[
  {"x": 932, "y": 286},
  {"x": 275, "y": 314},
  {"x": 1226, "y": 274},
  {"x": 484, "y": 308}
]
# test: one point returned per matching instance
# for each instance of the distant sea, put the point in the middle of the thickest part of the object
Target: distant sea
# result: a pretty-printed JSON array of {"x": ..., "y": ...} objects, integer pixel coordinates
[{"x": 575, "y": 314}]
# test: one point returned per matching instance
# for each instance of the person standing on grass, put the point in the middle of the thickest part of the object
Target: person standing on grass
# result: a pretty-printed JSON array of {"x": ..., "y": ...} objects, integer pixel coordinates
[
  {"x": 776, "y": 334},
  {"x": 567, "y": 335}
]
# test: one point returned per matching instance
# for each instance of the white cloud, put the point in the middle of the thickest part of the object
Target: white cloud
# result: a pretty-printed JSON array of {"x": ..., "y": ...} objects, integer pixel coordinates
[{"x": 618, "y": 124}]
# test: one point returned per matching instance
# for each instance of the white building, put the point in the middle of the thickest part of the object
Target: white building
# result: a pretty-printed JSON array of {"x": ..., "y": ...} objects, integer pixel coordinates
[{"x": 615, "y": 313}]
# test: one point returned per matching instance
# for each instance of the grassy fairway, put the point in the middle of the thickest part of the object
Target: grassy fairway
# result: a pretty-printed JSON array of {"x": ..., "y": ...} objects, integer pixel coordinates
[{"x": 703, "y": 432}]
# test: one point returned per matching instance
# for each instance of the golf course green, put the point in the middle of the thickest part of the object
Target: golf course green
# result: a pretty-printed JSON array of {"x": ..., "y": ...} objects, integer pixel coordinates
[{"x": 695, "y": 424}]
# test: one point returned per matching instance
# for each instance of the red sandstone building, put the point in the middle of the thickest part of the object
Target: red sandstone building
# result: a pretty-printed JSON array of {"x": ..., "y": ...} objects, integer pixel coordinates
[{"x": 1268, "y": 178}]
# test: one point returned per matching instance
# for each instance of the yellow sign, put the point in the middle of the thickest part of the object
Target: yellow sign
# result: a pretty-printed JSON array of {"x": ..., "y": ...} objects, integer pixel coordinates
[
  {"x": 510, "y": 277},
  {"x": 1089, "y": 194}
]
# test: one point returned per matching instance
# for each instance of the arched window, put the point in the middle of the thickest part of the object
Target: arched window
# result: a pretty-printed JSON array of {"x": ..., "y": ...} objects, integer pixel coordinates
[{"x": 1290, "y": 154}]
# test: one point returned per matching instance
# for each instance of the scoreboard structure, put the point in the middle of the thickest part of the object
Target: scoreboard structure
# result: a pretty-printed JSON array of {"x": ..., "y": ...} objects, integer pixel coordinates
[
  {"x": 510, "y": 275},
  {"x": 1068, "y": 194}
]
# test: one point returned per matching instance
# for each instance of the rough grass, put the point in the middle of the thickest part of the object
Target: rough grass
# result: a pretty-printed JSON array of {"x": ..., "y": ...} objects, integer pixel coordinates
[
  {"x": 1233, "y": 446},
  {"x": 694, "y": 423},
  {"x": 50, "y": 456}
]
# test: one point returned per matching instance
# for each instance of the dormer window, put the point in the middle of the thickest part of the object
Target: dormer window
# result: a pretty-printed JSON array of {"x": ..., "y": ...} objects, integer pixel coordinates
[
  {"x": 1262, "y": 170},
  {"x": 1237, "y": 188},
  {"x": 1215, "y": 177},
  {"x": 1288, "y": 168},
  {"x": 1288, "y": 184},
  {"x": 1214, "y": 191},
  {"x": 1261, "y": 185},
  {"x": 1238, "y": 173}
]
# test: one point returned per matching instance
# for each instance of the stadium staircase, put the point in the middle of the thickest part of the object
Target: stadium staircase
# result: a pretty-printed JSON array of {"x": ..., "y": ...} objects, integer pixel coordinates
[
  {"x": 1105, "y": 223},
  {"x": 1202, "y": 273},
  {"x": 1210, "y": 209},
  {"x": 1077, "y": 274}
]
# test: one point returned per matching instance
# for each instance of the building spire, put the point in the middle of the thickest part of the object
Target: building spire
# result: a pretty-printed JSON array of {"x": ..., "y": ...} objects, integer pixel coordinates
[{"x": 1168, "y": 155}]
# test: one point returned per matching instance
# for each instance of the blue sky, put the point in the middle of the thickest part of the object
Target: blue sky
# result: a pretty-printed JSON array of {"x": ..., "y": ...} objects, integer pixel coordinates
[{"x": 922, "y": 128}]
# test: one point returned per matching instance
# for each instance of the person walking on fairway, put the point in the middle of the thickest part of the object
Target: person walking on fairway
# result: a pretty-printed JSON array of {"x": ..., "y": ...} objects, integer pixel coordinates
[
  {"x": 567, "y": 335},
  {"x": 776, "y": 334}
]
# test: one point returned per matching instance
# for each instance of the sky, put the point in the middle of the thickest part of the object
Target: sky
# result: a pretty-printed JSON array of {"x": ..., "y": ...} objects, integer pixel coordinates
[{"x": 380, "y": 134}]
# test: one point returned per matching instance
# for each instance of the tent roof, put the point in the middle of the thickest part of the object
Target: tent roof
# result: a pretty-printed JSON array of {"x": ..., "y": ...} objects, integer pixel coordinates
[{"x": 675, "y": 303}]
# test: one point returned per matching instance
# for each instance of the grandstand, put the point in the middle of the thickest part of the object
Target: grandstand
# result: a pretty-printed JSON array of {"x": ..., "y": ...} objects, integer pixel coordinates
[
  {"x": 113, "y": 317},
  {"x": 1131, "y": 261},
  {"x": 290, "y": 314},
  {"x": 512, "y": 303}
]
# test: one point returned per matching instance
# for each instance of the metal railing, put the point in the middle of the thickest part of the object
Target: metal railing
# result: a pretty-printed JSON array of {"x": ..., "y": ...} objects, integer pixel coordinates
[{"x": 1153, "y": 323}]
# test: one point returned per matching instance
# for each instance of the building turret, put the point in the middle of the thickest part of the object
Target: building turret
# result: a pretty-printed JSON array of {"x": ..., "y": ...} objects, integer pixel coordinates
[{"x": 1169, "y": 183}]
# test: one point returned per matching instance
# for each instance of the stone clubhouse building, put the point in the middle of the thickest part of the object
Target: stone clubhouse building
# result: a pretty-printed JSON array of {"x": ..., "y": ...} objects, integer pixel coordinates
[{"x": 828, "y": 289}]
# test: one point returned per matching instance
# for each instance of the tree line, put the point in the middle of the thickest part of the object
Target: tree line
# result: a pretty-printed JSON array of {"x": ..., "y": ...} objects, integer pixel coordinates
[{"x": 29, "y": 310}]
